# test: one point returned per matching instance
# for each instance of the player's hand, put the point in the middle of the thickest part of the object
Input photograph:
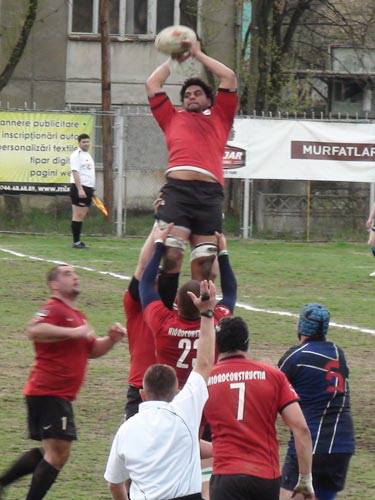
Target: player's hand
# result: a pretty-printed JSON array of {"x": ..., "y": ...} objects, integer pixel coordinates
[
  {"x": 160, "y": 234},
  {"x": 116, "y": 333},
  {"x": 193, "y": 47},
  {"x": 221, "y": 241},
  {"x": 157, "y": 202},
  {"x": 304, "y": 488},
  {"x": 83, "y": 331},
  {"x": 369, "y": 223},
  {"x": 207, "y": 297},
  {"x": 82, "y": 194}
]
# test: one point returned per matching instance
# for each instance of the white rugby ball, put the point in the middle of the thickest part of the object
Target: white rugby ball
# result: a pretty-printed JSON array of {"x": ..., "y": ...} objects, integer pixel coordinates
[{"x": 170, "y": 39}]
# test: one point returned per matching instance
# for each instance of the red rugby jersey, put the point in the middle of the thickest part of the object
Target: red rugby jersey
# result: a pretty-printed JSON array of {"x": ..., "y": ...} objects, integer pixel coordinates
[
  {"x": 176, "y": 339},
  {"x": 196, "y": 139},
  {"x": 140, "y": 339},
  {"x": 59, "y": 367},
  {"x": 245, "y": 397}
]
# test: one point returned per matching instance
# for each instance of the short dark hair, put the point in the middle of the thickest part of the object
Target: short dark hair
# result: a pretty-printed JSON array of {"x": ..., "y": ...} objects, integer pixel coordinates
[
  {"x": 197, "y": 81},
  {"x": 232, "y": 334},
  {"x": 54, "y": 272},
  {"x": 83, "y": 136},
  {"x": 160, "y": 383},
  {"x": 185, "y": 305}
]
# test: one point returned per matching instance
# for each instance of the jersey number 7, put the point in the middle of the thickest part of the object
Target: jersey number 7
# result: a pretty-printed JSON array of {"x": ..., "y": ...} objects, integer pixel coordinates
[{"x": 240, "y": 386}]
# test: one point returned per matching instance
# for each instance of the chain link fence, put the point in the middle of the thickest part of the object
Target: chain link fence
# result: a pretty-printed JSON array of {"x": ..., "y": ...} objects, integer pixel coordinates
[{"x": 277, "y": 209}]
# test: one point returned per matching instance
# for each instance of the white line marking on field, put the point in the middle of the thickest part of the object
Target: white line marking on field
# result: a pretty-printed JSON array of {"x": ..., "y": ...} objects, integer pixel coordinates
[{"x": 241, "y": 305}]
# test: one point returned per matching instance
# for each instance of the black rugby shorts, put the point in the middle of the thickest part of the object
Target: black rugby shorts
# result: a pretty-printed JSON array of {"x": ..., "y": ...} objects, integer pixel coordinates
[
  {"x": 328, "y": 470},
  {"x": 81, "y": 202},
  {"x": 133, "y": 400},
  {"x": 245, "y": 487},
  {"x": 195, "y": 205},
  {"x": 50, "y": 418}
]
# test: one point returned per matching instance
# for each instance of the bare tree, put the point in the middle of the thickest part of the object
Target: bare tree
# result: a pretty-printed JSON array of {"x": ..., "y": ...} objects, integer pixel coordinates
[
  {"x": 296, "y": 34},
  {"x": 20, "y": 45}
]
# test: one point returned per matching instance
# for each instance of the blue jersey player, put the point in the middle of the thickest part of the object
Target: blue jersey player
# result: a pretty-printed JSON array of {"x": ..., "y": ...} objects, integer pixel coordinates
[{"x": 318, "y": 371}]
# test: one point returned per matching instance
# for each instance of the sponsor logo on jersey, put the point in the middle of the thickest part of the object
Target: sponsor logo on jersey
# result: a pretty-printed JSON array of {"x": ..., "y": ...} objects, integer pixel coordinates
[
  {"x": 179, "y": 332},
  {"x": 237, "y": 376}
]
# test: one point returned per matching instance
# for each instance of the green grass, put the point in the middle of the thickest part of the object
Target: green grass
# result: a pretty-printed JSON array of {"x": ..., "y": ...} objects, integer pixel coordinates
[
  {"x": 55, "y": 219},
  {"x": 275, "y": 275}
]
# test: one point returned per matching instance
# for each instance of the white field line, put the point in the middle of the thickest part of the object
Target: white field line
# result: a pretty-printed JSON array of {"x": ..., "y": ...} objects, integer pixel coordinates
[{"x": 241, "y": 305}]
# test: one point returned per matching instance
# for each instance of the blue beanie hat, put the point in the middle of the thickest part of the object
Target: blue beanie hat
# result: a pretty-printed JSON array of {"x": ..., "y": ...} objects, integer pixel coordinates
[{"x": 313, "y": 321}]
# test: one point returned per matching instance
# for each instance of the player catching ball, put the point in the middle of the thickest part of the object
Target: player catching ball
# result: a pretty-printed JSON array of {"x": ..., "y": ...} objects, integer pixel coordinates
[{"x": 195, "y": 136}]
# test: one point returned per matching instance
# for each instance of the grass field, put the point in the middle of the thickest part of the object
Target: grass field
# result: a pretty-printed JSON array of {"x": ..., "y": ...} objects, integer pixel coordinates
[{"x": 278, "y": 276}]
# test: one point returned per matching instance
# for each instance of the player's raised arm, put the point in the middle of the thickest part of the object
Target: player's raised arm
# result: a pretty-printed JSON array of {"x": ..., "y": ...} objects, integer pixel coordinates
[
  {"x": 226, "y": 75},
  {"x": 156, "y": 80},
  {"x": 205, "y": 303}
]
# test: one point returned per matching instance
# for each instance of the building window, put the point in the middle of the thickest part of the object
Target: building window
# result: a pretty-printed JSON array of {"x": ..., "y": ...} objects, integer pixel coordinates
[
  {"x": 132, "y": 17},
  {"x": 82, "y": 16},
  {"x": 189, "y": 13},
  {"x": 136, "y": 17},
  {"x": 348, "y": 91}
]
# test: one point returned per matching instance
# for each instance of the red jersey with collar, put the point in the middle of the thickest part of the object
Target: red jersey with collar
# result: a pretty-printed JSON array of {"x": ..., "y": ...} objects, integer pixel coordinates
[
  {"x": 140, "y": 339},
  {"x": 245, "y": 397},
  {"x": 196, "y": 139},
  {"x": 59, "y": 367},
  {"x": 176, "y": 338}
]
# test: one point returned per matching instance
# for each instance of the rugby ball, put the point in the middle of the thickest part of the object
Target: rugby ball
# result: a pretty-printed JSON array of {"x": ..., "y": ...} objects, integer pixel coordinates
[{"x": 170, "y": 39}]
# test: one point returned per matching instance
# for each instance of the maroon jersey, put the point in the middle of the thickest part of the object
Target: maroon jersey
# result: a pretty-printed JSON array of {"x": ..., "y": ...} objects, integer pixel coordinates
[
  {"x": 244, "y": 399},
  {"x": 59, "y": 367},
  {"x": 140, "y": 339},
  {"x": 196, "y": 139},
  {"x": 176, "y": 338}
]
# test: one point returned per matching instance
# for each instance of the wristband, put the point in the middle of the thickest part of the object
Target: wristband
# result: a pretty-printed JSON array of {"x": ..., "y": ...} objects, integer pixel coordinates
[
  {"x": 305, "y": 482},
  {"x": 207, "y": 314},
  {"x": 223, "y": 252},
  {"x": 158, "y": 241}
]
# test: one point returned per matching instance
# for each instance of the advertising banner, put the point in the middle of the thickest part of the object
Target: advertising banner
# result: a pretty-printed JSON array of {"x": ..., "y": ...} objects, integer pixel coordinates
[
  {"x": 301, "y": 150},
  {"x": 35, "y": 149}
]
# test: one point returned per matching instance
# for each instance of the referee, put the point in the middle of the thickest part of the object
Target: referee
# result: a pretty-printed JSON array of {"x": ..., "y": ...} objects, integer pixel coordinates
[{"x": 82, "y": 186}]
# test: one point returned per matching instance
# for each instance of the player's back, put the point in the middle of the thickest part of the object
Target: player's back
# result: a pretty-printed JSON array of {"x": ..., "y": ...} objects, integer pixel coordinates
[
  {"x": 319, "y": 373},
  {"x": 245, "y": 397}
]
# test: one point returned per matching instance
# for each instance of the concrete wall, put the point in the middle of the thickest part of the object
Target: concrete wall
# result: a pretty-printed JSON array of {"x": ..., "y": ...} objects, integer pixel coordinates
[{"x": 131, "y": 64}]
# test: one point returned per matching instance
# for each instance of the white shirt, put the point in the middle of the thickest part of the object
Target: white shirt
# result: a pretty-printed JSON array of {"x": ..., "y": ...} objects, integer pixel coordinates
[
  {"x": 158, "y": 448},
  {"x": 82, "y": 162}
]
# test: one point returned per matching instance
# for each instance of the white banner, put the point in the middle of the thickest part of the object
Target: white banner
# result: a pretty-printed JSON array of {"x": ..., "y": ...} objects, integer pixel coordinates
[{"x": 301, "y": 150}]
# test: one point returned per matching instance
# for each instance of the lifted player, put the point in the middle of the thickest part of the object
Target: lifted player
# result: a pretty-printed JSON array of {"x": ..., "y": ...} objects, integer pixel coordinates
[{"x": 196, "y": 136}]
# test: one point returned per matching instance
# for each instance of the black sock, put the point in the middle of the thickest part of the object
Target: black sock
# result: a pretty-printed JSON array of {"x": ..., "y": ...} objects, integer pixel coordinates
[
  {"x": 76, "y": 230},
  {"x": 43, "y": 478},
  {"x": 25, "y": 464},
  {"x": 167, "y": 287}
]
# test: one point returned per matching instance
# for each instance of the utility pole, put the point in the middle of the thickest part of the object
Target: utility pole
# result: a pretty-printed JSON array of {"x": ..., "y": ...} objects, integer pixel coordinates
[{"x": 107, "y": 138}]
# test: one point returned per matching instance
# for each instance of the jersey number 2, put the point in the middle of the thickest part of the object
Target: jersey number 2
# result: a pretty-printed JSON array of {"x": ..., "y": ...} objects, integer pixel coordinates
[
  {"x": 240, "y": 386},
  {"x": 187, "y": 345}
]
